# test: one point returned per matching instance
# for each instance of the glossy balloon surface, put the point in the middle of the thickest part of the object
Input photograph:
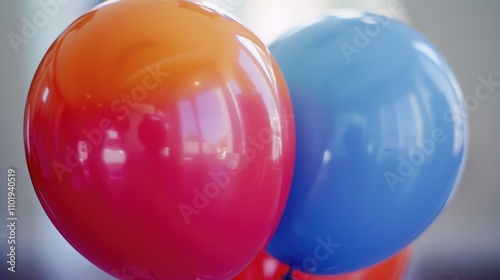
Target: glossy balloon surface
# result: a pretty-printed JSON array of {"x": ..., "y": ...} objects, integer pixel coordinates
[
  {"x": 265, "y": 267},
  {"x": 381, "y": 140},
  {"x": 159, "y": 140}
]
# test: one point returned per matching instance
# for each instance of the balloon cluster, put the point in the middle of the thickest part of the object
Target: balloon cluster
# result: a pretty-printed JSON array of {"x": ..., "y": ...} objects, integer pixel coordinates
[{"x": 164, "y": 142}]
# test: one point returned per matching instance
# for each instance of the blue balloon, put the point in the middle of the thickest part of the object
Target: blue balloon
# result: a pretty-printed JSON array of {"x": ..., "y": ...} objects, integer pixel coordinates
[{"x": 381, "y": 141}]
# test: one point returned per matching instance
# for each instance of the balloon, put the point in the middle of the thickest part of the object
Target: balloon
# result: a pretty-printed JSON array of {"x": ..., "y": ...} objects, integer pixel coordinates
[
  {"x": 265, "y": 267},
  {"x": 381, "y": 141},
  {"x": 159, "y": 140}
]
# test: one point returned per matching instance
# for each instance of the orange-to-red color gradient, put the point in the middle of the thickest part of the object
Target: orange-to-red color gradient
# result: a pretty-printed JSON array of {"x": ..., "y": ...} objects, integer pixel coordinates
[{"x": 160, "y": 140}]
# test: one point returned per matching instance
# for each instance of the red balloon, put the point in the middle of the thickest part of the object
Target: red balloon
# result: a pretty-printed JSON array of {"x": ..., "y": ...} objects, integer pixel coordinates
[
  {"x": 158, "y": 140},
  {"x": 266, "y": 267}
]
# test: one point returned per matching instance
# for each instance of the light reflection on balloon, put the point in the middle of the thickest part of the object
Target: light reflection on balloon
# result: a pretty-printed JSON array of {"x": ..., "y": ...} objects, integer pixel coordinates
[{"x": 158, "y": 140}]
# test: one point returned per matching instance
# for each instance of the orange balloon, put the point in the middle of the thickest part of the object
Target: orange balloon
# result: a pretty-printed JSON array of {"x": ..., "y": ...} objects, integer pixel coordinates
[
  {"x": 266, "y": 267},
  {"x": 160, "y": 140}
]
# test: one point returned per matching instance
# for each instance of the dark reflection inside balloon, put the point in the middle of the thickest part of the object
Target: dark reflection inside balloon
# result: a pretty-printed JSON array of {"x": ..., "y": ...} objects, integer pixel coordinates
[{"x": 153, "y": 132}]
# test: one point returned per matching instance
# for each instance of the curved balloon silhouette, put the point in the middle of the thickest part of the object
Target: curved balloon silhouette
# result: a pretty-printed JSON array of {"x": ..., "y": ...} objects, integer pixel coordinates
[
  {"x": 381, "y": 141},
  {"x": 158, "y": 140}
]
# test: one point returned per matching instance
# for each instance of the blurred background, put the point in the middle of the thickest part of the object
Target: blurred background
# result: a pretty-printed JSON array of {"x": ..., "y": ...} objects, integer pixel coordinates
[{"x": 462, "y": 244}]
